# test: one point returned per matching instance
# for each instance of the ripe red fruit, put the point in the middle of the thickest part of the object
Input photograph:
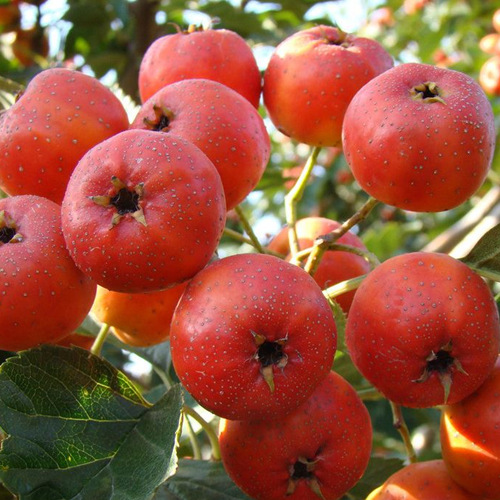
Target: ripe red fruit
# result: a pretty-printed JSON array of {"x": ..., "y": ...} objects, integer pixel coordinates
[
  {"x": 221, "y": 55},
  {"x": 252, "y": 336},
  {"x": 78, "y": 340},
  {"x": 222, "y": 123},
  {"x": 423, "y": 329},
  {"x": 320, "y": 450},
  {"x": 61, "y": 114},
  {"x": 495, "y": 20},
  {"x": 421, "y": 481},
  {"x": 490, "y": 43},
  {"x": 43, "y": 296},
  {"x": 335, "y": 266},
  {"x": 143, "y": 211},
  {"x": 489, "y": 75},
  {"x": 419, "y": 137},
  {"x": 138, "y": 319},
  {"x": 311, "y": 78},
  {"x": 470, "y": 439}
]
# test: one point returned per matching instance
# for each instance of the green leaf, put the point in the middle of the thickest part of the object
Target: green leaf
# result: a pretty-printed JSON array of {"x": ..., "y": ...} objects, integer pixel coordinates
[
  {"x": 484, "y": 258},
  {"x": 378, "y": 470},
  {"x": 78, "y": 429},
  {"x": 200, "y": 480}
]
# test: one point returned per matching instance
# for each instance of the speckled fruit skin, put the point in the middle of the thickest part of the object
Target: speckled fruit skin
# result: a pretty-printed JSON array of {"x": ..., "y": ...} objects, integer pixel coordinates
[
  {"x": 335, "y": 266},
  {"x": 59, "y": 117},
  {"x": 138, "y": 319},
  {"x": 311, "y": 78},
  {"x": 183, "y": 205},
  {"x": 332, "y": 429},
  {"x": 214, "y": 329},
  {"x": 43, "y": 296},
  {"x": 414, "y": 153},
  {"x": 427, "y": 480},
  {"x": 222, "y": 123},
  {"x": 221, "y": 55},
  {"x": 411, "y": 306},
  {"x": 470, "y": 439}
]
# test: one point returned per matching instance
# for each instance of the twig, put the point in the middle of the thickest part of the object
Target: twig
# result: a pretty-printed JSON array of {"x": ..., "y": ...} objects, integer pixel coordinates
[
  {"x": 400, "y": 425},
  {"x": 294, "y": 196},
  {"x": 321, "y": 244},
  {"x": 248, "y": 229}
]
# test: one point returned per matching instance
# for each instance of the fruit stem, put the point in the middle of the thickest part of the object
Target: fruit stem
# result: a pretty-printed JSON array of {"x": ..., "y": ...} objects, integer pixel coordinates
[
  {"x": 209, "y": 430},
  {"x": 195, "y": 445},
  {"x": 370, "y": 394},
  {"x": 248, "y": 229},
  {"x": 100, "y": 339},
  {"x": 294, "y": 196},
  {"x": 244, "y": 239},
  {"x": 322, "y": 244},
  {"x": 400, "y": 425},
  {"x": 343, "y": 287}
]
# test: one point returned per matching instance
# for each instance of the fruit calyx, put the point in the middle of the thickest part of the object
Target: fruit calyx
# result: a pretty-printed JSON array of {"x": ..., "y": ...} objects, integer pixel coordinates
[
  {"x": 303, "y": 469},
  {"x": 161, "y": 121},
  {"x": 428, "y": 92},
  {"x": 269, "y": 354},
  {"x": 338, "y": 38},
  {"x": 124, "y": 201},
  {"x": 8, "y": 230},
  {"x": 442, "y": 363}
]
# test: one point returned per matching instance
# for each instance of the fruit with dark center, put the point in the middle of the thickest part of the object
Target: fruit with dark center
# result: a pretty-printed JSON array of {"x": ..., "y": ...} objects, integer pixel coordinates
[
  {"x": 311, "y": 78},
  {"x": 320, "y": 450},
  {"x": 143, "y": 211},
  {"x": 470, "y": 439},
  {"x": 335, "y": 266},
  {"x": 252, "y": 336},
  {"x": 55, "y": 121},
  {"x": 43, "y": 295},
  {"x": 222, "y": 123},
  {"x": 423, "y": 328},
  {"x": 138, "y": 319},
  {"x": 221, "y": 55},
  {"x": 427, "y": 137}
]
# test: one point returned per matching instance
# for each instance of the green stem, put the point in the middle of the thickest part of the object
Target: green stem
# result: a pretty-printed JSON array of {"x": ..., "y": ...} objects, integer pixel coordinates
[
  {"x": 400, "y": 425},
  {"x": 343, "y": 287},
  {"x": 100, "y": 339},
  {"x": 294, "y": 196},
  {"x": 193, "y": 440},
  {"x": 370, "y": 394},
  {"x": 209, "y": 430},
  {"x": 322, "y": 244},
  {"x": 248, "y": 229},
  {"x": 244, "y": 239}
]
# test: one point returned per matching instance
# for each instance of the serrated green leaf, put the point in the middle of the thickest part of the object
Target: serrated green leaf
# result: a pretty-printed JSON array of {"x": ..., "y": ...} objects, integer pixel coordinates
[
  {"x": 377, "y": 471},
  {"x": 78, "y": 429},
  {"x": 484, "y": 258},
  {"x": 200, "y": 479}
]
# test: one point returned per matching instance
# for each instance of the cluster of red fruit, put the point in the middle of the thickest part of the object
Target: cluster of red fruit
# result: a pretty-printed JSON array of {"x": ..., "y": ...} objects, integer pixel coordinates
[
  {"x": 489, "y": 76},
  {"x": 139, "y": 209}
]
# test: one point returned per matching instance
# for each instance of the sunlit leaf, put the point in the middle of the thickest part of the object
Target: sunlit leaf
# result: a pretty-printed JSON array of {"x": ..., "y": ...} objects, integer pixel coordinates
[{"x": 77, "y": 428}]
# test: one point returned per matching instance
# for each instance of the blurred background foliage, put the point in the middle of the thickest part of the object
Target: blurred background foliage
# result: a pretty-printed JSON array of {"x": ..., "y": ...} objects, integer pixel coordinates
[{"x": 107, "y": 38}]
